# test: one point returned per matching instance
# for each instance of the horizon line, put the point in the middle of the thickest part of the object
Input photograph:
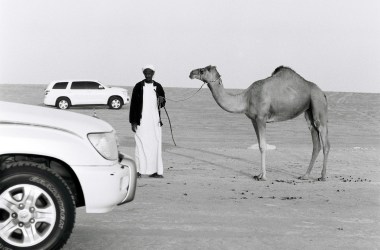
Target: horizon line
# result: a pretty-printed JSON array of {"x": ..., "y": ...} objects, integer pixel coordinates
[{"x": 115, "y": 85}]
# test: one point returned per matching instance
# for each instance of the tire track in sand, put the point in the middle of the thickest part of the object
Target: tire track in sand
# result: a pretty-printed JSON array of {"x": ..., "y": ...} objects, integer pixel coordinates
[
  {"x": 207, "y": 160},
  {"x": 339, "y": 107}
]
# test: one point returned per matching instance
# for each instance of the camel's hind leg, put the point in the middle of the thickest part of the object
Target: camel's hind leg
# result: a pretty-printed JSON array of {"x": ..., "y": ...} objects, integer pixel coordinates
[
  {"x": 316, "y": 143},
  {"x": 323, "y": 133},
  {"x": 319, "y": 113}
]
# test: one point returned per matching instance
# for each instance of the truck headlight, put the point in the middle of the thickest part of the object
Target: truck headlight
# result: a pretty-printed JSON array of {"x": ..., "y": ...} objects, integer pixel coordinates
[{"x": 105, "y": 144}]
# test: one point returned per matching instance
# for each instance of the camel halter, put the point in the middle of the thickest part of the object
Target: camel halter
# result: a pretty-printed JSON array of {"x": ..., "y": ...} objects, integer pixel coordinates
[
  {"x": 192, "y": 95},
  {"x": 220, "y": 78}
]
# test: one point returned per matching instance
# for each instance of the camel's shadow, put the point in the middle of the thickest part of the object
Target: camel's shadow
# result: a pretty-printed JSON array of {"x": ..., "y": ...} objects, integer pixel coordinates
[{"x": 286, "y": 174}]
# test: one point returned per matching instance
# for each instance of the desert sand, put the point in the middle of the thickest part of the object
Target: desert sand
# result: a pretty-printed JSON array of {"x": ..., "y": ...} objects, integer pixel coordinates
[{"x": 208, "y": 198}]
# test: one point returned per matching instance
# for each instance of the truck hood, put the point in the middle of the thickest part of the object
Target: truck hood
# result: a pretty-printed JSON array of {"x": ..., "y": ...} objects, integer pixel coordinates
[{"x": 58, "y": 119}]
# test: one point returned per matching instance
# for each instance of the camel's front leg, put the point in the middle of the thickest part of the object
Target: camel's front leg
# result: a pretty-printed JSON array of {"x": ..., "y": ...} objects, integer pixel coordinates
[{"x": 260, "y": 126}]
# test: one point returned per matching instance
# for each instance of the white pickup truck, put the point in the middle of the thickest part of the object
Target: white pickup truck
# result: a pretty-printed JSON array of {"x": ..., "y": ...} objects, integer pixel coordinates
[{"x": 52, "y": 161}]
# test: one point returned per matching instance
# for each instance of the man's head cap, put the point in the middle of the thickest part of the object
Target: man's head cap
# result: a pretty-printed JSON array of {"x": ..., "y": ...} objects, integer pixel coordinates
[{"x": 148, "y": 66}]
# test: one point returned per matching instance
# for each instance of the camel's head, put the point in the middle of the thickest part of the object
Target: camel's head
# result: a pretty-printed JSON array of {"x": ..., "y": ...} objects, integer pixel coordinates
[{"x": 208, "y": 74}]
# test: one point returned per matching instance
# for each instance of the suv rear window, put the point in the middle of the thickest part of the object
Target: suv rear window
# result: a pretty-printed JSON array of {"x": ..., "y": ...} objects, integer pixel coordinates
[
  {"x": 85, "y": 85},
  {"x": 60, "y": 85}
]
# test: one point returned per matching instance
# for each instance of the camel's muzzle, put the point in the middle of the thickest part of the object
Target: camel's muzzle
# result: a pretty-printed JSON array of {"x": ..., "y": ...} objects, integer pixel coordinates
[{"x": 194, "y": 74}]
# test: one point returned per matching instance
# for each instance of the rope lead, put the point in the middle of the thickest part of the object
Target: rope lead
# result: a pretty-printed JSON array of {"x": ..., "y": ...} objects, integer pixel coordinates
[
  {"x": 181, "y": 100},
  {"x": 170, "y": 124}
]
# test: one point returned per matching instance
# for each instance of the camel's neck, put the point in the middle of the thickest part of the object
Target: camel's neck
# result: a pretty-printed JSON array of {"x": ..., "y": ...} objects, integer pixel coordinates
[{"x": 230, "y": 103}]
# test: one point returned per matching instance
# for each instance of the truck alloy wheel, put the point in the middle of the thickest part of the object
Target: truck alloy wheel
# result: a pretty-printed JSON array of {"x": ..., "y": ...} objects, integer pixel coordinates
[{"x": 37, "y": 209}]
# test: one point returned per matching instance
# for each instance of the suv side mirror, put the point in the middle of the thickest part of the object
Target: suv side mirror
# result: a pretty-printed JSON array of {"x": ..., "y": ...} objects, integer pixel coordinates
[{"x": 101, "y": 87}]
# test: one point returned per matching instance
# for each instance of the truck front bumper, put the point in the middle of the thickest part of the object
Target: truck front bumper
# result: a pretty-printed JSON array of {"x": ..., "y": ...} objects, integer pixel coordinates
[
  {"x": 105, "y": 187},
  {"x": 130, "y": 164}
]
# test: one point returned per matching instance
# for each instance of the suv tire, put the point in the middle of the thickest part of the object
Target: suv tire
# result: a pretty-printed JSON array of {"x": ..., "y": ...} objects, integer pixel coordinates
[
  {"x": 63, "y": 103},
  {"x": 115, "y": 102},
  {"x": 37, "y": 208}
]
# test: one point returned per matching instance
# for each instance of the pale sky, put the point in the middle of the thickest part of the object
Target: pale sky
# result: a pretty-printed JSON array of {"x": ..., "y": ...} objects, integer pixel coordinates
[{"x": 335, "y": 44}]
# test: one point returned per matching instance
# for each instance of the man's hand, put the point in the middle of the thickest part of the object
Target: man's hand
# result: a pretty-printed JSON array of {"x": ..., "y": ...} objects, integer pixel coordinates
[
  {"x": 134, "y": 127},
  {"x": 161, "y": 101}
]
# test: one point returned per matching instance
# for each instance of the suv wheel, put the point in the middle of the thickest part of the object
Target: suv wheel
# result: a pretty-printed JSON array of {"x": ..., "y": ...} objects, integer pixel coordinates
[
  {"x": 63, "y": 103},
  {"x": 115, "y": 102},
  {"x": 37, "y": 208}
]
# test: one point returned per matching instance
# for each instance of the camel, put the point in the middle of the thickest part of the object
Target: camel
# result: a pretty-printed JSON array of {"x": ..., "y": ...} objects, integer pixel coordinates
[{"x": 282, "y": 96}]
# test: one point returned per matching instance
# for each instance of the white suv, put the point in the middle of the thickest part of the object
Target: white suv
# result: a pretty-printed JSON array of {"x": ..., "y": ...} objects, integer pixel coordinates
[
  {"x": 52, "y": 161},
  {"x": 64, "y": 94}
]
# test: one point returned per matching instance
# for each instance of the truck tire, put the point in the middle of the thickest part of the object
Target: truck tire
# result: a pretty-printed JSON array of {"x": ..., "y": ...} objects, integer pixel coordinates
[
  {"x": 115, "y": 102},
  {"x": 37, "y": 208}
]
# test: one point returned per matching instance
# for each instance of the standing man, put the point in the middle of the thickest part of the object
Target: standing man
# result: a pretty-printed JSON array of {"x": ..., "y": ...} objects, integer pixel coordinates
[{"x": 148, "y": 97}]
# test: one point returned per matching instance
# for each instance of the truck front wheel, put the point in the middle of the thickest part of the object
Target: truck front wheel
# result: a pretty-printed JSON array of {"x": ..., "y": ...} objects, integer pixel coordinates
[{"x": 37, "y": 208}]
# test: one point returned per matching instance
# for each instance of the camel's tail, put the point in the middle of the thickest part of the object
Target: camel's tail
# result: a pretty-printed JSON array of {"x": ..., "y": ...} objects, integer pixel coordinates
[{"x": 319, "y": 107}]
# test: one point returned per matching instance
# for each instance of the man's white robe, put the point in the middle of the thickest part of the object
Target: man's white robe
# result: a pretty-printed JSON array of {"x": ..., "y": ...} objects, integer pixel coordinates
[{"x": 148, "y": 155}]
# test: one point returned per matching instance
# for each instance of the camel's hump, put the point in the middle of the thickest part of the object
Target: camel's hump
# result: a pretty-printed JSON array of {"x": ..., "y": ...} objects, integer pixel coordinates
[{"x": 280, "y": 68}]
